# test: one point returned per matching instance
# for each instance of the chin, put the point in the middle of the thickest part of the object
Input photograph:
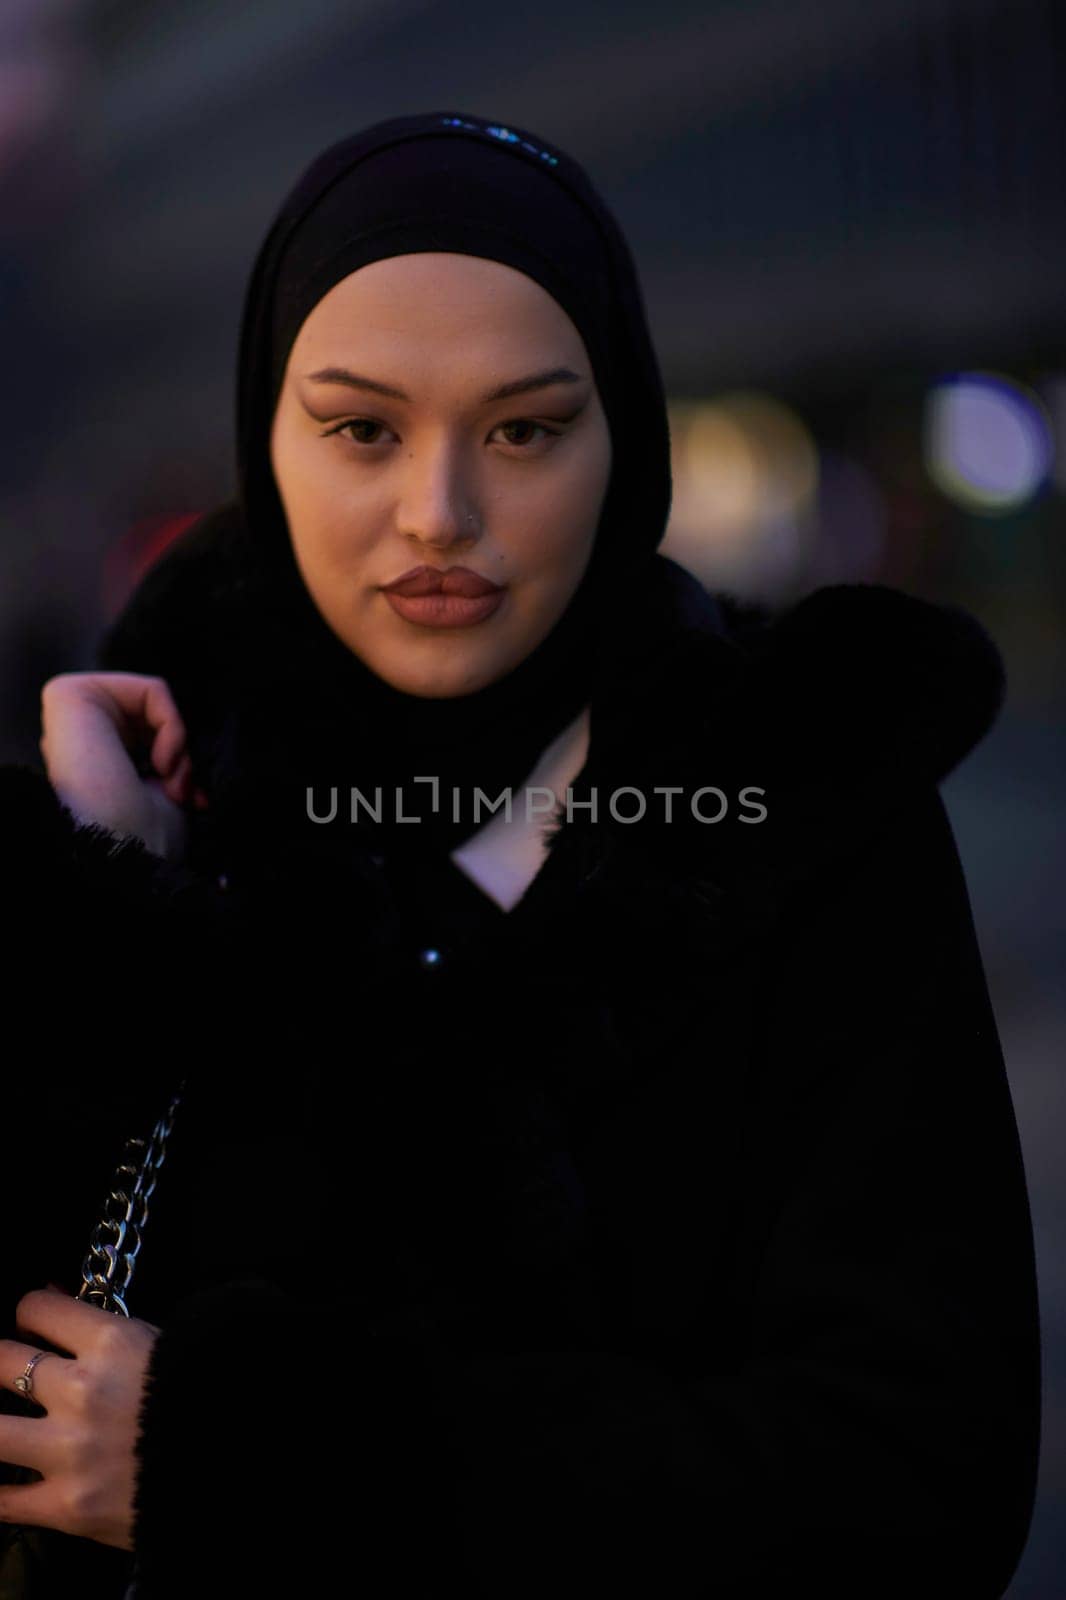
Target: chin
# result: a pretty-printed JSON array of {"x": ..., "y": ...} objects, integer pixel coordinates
[{"x": 437, "y": 681}]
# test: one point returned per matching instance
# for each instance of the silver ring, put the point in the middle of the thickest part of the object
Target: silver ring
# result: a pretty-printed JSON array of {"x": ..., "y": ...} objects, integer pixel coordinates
[{"x": 24, "y": 1382}]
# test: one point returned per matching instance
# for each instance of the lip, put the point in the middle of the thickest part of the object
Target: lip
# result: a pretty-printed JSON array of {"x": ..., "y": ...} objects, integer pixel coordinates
[
  {"x": 440, "y": 610},
  {"x": 461, "y": 581}
]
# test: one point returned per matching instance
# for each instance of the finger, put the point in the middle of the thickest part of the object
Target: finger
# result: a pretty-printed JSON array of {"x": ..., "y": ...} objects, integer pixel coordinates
[
  {"x": 141, "y": 712},
  {"x": 34, "y": 1505},
  {"x": 161, "y": 713},
  {"x": 177, "y": 786},
  {"x": 14, "y": 1358},
  {"x": 140, "y": 699},
  {"x": 63, "y": 1320},
  {"x": 182, "y": 782},
  {"x": 27, "y": 1442}
]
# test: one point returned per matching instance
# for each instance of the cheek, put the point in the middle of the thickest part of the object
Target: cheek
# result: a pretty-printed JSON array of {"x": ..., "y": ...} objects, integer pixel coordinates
[
  {"x": 331, "y": 522},
  {"x": 587, "y": 478},
  {"x": 559, "y": 515},
  {"x": 309, "y": 470}
]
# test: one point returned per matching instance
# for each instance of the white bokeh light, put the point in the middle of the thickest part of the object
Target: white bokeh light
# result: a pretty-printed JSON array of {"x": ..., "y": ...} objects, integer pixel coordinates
[{"x": 987, "y": 441}]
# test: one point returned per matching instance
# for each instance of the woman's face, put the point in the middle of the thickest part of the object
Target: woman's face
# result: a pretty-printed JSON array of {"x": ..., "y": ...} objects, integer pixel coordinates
[{"x": 440, "y": 471}]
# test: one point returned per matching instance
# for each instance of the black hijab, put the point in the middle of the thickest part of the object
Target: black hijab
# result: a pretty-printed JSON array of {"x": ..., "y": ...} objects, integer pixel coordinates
[{"x": 304, "y": 711}]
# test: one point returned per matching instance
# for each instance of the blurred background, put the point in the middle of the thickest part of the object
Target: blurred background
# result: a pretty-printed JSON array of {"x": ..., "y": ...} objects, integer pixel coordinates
[{"x": 849, "y": 224}]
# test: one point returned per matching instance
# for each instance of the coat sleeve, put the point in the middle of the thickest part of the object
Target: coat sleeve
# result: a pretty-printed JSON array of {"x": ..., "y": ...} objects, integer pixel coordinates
[
  {"x": 98, "y": 928},
  {"x": 877, "y": 1434},
  {"x": 79, "y": 896}
]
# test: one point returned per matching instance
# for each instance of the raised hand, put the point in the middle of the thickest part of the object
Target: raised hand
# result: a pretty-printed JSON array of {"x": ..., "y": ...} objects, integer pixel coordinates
[{"x": 95, "y": 727}]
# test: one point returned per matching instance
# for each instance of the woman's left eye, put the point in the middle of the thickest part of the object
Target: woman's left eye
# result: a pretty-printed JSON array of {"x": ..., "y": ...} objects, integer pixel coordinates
[{"x": 524, "y": 422}]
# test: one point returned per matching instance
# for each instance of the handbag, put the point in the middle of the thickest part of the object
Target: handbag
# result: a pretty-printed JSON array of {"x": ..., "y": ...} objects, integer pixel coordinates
[{"x": 29, "y": 1556}]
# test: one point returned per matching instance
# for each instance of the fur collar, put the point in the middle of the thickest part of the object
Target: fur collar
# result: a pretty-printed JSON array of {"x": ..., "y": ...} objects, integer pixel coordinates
[{"x": 833, "y": 717}]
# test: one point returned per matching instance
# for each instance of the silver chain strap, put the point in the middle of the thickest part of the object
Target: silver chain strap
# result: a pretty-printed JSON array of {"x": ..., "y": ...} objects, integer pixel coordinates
[{"x": 116, "y": 1239}]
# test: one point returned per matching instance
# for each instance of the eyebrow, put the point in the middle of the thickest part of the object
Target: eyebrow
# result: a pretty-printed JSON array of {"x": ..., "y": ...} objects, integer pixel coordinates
[{"x": 536, "y": 380}]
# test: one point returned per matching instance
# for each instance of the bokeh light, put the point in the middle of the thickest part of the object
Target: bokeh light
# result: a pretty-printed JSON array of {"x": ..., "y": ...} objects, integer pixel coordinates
[
  {"x": 745, "y": 471},
  {"x": 987, "y": 441}
]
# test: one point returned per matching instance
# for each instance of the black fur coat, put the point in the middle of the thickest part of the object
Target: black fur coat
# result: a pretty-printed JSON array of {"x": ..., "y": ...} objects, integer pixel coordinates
[{"x": 674, "y": 1242}]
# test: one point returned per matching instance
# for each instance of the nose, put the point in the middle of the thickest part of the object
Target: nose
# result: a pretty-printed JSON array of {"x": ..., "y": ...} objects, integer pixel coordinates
[{"x": 437, "y": 506}]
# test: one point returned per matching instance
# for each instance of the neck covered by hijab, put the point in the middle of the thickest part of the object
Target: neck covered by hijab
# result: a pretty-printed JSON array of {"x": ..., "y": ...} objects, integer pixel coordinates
[{"x": 445, "y": 181}]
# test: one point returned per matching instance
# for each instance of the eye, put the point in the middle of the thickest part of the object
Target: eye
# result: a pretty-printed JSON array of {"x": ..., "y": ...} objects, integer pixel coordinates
[
  {"x": 357, "y": 422},
  {"x": 526, "y": 422}
]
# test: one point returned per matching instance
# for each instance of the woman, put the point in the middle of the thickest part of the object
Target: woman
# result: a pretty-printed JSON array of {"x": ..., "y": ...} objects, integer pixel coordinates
[{"x": 621, "y": 1199}]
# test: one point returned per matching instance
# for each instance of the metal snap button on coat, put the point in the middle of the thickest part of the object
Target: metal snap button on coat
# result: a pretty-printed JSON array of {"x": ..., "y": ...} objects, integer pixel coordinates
[{"x": 431, "y": 957}]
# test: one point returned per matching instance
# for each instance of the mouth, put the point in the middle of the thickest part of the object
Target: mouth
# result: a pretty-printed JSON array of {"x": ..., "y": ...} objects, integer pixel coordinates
[
  {"x": 460, "y": 582},
  {"x": 442, "y": 610}
]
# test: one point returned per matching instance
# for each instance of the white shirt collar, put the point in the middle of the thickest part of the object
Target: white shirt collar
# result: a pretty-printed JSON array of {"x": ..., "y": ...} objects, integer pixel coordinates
[{"x": 505, "y": 856}]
